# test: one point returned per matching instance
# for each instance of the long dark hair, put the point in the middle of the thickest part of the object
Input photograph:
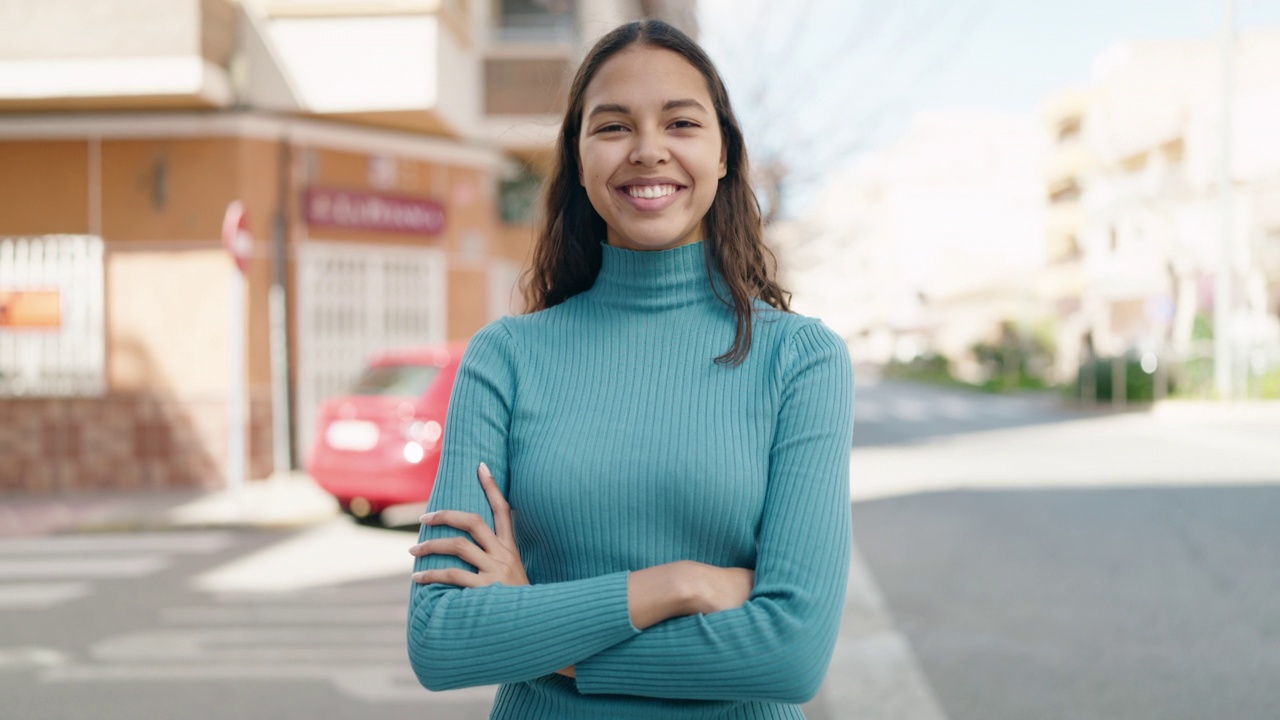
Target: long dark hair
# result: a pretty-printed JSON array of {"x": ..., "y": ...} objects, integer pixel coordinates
[{"x": 566, "y": 257}]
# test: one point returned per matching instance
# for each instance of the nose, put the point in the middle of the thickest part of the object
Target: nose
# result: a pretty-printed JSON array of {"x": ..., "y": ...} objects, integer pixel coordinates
[{"x": 649, "y": 149}]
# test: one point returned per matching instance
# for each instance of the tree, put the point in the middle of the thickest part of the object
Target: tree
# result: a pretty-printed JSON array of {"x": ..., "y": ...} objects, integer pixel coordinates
[{"x": 814, "y": 81}]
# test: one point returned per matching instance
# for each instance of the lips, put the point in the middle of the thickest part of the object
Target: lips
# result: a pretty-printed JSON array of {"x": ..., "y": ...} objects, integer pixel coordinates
[{"x": 651, "y": 195}]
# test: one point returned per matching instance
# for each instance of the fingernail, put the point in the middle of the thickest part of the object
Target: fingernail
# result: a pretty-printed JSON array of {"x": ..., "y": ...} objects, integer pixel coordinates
[
  {"x": 485, "y": 469},
  {"x": 427, "y": 517}
]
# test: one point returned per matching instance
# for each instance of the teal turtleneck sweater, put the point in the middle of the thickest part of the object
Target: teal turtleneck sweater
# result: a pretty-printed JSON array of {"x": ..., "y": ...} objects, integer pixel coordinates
[{"x": 620, "y": 445}]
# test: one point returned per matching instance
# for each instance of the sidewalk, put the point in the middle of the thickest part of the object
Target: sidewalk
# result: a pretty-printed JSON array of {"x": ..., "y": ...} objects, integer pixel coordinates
[
  {"x": 1173, "y": 443},
  {"x": 284, "y": 501}
]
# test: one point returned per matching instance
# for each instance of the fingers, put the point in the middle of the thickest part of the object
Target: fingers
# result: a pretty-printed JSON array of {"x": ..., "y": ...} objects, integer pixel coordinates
[
  {"x": 470, "y": 523},
  {"x": 501, "y": 509},
  {"x": 461, "y": 548},
  {"x": 448, "y": 576}
]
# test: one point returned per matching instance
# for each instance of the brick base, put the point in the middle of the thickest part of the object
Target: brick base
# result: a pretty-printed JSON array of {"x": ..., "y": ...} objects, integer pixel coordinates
[{"x": 50, "y": 445}]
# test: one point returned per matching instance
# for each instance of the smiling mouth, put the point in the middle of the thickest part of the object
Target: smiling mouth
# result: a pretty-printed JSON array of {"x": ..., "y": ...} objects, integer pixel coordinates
[{"x": 650, "y": 192}]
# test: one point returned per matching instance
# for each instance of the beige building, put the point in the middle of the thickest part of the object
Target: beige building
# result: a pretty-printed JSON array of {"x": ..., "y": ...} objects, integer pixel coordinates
[
  {"x": 386, "y": 153},
  {"x": 1134, "y": 229},
  {"x": 929, "y": 243}
]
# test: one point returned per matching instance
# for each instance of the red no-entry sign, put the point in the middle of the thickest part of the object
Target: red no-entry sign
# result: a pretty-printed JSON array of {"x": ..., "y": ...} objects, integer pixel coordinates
[{"x": 235, "y": 234}]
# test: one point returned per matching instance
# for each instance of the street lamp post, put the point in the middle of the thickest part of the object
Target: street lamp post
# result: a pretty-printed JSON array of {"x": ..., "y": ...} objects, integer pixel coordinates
[{"x": 1223, "y": 334}]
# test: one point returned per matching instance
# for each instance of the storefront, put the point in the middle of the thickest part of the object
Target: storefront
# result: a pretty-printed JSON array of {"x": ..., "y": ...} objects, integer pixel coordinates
[{"x": 389, "y": 238}]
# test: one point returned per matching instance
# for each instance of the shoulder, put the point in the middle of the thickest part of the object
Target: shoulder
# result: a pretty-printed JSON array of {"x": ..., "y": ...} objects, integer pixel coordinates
[
  {"x": 493, "y": 344},
  {"x": 513, "y": 333},
  {"x": 805, "y": 341}
]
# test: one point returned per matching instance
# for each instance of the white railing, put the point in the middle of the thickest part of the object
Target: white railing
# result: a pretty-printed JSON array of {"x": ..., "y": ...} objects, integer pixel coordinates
[
  {"x": 69, "y": 360},
  {"x": 353, "y": 301}
]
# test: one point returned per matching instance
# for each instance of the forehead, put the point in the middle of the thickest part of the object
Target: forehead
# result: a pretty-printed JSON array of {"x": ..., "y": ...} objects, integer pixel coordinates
[{"x": 644, "y": 75}]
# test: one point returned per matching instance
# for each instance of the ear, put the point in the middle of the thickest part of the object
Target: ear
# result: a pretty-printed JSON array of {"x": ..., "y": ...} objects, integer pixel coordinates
[{"x": 724, "y": 160}]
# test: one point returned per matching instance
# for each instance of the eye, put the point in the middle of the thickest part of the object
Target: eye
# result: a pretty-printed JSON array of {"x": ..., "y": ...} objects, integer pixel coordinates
[
  {"x": 684, "y": 125},
  {"x": 611, "y": 128}
]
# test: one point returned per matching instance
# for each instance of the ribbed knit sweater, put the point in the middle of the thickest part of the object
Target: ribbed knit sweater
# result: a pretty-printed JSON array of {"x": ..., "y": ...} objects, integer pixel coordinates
[{"x": 621, "y": 444}]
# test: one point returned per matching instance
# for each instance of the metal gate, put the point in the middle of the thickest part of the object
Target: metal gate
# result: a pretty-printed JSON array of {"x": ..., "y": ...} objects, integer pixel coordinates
[
  {"x": 355, "y": 300},
  {"x": 68, "y": 356}
]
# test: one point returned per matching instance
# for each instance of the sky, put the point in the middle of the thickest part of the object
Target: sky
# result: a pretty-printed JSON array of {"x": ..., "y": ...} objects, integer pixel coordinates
[
  {"x": 1005, "y": 55},
  {"x": 1019, "y": 51}
]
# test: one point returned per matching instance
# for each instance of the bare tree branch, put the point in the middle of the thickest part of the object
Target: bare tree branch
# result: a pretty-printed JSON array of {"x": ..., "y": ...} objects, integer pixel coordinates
[{"x": 811, "y": 97}]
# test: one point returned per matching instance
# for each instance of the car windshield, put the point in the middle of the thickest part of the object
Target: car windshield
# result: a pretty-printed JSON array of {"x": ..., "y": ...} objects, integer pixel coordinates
[{"x": 396, "y": 380}]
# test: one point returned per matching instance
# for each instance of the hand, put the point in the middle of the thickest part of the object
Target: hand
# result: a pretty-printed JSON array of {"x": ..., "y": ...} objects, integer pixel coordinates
[{"x": 493, "y": 554}]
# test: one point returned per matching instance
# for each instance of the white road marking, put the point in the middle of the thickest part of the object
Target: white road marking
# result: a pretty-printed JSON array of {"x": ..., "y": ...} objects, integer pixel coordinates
[
  {"x": 376, "y": 683},
  {"x": 83, "y": 567},
  {"x": 30, "y": 657},
  {"x": 288, "y": 615},
  {"x": 170, "y": 542},
  {"x": 40, "y": 595},
  {"x": 335, "y": 552}
]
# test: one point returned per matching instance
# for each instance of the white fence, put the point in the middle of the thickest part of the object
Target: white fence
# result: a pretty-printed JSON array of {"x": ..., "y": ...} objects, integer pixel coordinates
[
  {"x": 353, "y": 301},
  {"x": 69, "y": 360}
]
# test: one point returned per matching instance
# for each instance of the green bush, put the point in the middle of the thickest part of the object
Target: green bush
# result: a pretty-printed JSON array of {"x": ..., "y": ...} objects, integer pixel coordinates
[
  {"x": 1019, "y": 360},
  {"x": 929, "y": 367},
  {"x": 1268, "y": 384},
  {"x": 1139, "y": 385}
]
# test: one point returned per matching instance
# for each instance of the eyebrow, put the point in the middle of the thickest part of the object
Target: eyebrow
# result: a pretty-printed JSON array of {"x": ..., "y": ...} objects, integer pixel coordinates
[{"x": 667, "y": 106}]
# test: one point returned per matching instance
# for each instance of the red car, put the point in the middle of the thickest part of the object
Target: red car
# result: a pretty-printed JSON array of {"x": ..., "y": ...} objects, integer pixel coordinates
[{"x": 379, "y": 445}]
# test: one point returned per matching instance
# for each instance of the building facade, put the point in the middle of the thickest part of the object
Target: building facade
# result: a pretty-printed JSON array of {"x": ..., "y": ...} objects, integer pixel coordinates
[
  {"x": 384, "y": 152},
  {"x": 1134, "y": 181}
]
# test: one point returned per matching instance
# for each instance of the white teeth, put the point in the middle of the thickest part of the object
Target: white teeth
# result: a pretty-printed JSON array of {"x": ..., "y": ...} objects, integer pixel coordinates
[{"x": 650, "y": 191}]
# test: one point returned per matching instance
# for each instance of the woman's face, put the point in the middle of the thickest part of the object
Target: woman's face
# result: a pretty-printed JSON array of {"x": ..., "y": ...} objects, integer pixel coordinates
[{"x": 650, "y": 150}]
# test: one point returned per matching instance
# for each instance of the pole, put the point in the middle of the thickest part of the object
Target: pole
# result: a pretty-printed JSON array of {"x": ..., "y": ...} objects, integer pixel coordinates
[
  {"x": 236, "y": 402},
  {"x": 1223, "y": 334},
  {"x": 278, "y": 317}
]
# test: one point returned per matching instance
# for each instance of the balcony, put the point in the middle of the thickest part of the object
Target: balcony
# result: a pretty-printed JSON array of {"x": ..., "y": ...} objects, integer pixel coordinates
[
  {"x": 409, "y": 64},
  {"x": 124, "y": 54}
]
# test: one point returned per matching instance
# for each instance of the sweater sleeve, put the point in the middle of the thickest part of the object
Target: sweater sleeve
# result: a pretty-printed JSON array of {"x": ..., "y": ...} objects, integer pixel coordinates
[
  {"x": 775, "y": 647},
  {"x": 461, "y": 637}
]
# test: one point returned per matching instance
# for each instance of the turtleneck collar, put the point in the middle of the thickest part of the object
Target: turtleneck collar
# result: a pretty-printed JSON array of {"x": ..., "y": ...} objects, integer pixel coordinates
[{"x": 655, "y": 279}]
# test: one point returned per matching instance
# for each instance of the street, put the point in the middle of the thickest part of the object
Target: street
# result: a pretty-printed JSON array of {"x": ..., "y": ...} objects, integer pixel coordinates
[{"x": 1013, "y": 560}]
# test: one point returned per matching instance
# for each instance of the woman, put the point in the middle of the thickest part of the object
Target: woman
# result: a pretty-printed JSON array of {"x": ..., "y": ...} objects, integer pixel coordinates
[{"x": 672, "y": 442}]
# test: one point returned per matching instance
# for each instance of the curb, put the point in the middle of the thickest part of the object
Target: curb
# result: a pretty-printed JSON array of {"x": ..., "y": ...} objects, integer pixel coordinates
[{"x": 1217, "y": 410}]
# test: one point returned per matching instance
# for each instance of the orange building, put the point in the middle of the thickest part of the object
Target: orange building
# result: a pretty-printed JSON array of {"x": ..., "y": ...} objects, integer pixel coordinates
[{"x": 380, "y": 149}]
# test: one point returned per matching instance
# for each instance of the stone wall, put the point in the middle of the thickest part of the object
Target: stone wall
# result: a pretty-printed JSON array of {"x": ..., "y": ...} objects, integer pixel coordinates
[{"x": 51, "y": 445}]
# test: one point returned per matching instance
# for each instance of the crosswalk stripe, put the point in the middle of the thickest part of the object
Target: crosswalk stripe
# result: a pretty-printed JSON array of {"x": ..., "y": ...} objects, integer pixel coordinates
[
  {"x": 371, "y": 683},
  {"x": 83, "y": 567},
  {"x": 23, "y": 657},
  {"x": 170, "y": 542},
  {"x": 390, "y": 613},
  {"x": 39, "y": 595}
]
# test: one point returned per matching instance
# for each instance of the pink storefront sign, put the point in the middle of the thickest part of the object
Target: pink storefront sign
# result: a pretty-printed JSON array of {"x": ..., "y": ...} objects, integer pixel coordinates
[{"x": 326, "y": 207}]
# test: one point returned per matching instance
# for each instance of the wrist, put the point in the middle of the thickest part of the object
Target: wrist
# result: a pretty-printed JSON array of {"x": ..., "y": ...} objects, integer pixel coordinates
[{"x": 688, "y": 585}]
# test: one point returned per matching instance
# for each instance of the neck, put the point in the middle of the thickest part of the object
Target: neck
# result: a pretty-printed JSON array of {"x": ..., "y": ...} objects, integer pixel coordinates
[{"x": 655, "y": 279}]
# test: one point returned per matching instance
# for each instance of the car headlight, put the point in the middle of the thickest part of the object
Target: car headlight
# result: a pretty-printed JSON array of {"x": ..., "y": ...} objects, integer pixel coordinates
[{"x": 414, "y": 452}]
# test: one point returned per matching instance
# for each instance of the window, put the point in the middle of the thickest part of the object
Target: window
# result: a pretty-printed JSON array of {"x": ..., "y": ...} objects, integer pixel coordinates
[
  {"x": 396, "y": 380},
  {"x": 537, "y": 19}
]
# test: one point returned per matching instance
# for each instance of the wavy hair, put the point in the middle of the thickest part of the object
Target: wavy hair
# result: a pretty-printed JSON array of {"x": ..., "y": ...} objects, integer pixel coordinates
[{"x": 567, "y": 254}]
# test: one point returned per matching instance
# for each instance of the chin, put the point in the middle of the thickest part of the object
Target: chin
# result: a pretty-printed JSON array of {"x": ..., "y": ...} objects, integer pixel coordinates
[{"x": 647, "y": 241}]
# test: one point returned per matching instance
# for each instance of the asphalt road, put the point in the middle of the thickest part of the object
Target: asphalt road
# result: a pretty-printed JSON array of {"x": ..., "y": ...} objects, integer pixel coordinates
[
  {"x": 1043, "y": 563},
  {"x": 1015, "y": 560}
]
